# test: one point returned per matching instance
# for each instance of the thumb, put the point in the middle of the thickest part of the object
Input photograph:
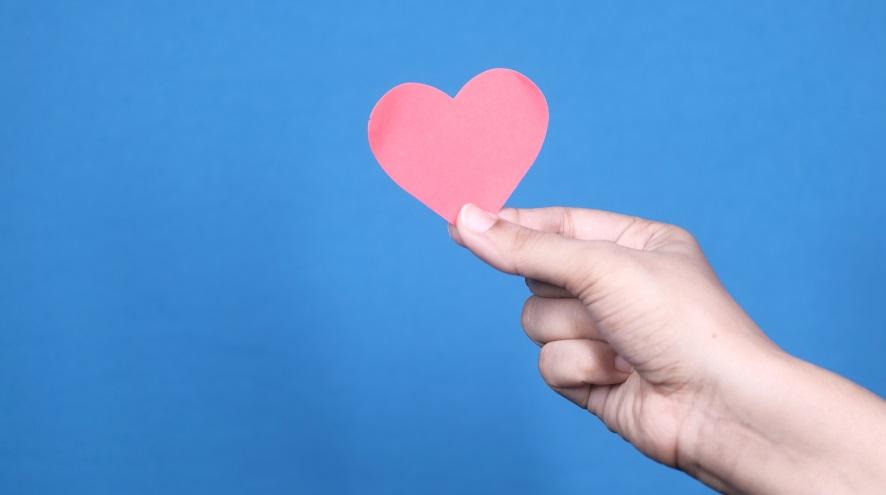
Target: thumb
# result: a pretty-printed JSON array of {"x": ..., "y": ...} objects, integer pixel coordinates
[{"x": 535, "y": 254}]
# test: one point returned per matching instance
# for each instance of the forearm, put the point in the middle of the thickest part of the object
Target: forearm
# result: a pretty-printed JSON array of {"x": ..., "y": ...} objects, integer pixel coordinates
[{"x": 791, "y": 427}]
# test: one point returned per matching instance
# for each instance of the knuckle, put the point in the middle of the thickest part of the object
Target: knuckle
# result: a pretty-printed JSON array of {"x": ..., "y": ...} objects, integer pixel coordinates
[
  {"x": 586, "y": 369},
  {"x": 680, "y": 233},
  {"x": 649, "y": 235},
  {"x": 518, "y": 216},
  {"x": 589, "y": 365},
  {"x": 522, "y": 239},
  {"x": 640, "y": 233},
  {"x": 521, "y": 247},
  {"x": 664, "y": 234},
  {"x": 568, "y": 227},
  {"x": 560, "y": 219}
]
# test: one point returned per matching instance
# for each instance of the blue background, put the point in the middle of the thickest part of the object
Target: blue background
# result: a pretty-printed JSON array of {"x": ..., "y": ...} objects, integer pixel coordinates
[{"x": 207, "y": 285}]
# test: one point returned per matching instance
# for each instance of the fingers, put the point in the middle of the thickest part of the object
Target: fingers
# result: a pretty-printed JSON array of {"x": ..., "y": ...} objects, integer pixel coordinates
[
  {"x": 590, "y": 397},
  {"x": 596, "y": 398},
  {"x": 566, "y": 364},
  {"x": 577, "y": 395},
  {"x": 546, "y": 320},
  {"x": 576, "y": 223},
  {"x": 543, "y": 289},
  {"x": 544, "y": 256}
]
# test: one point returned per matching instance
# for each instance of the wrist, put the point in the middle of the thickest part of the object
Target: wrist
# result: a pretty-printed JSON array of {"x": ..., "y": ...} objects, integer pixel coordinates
[
  {"x": 729, "y": 439},
  {"x": 774, "y": 423}
]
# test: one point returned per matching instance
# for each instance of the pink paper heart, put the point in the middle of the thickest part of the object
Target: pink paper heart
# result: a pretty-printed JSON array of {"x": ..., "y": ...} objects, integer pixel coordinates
[{"x": 474, "y": 148}]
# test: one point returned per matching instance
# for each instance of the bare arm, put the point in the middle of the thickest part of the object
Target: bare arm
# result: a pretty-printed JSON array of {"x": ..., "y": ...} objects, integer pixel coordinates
[{"x": 635, "y": 327}]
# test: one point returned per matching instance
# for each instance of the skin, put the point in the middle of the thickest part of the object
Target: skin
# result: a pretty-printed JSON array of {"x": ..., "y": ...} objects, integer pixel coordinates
[{"x": 635, "y": 327}]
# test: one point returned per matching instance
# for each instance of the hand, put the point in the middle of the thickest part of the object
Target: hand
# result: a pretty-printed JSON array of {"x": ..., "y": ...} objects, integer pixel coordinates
[{"x": 636, "y": 328}]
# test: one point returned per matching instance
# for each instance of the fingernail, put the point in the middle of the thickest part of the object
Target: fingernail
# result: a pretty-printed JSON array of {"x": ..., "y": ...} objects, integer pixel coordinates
[
  {"x": 475, "y": 219},
  {"x": 621, "y": 364}
]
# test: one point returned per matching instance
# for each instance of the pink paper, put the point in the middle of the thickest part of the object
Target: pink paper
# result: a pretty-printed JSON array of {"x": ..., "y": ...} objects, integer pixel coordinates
[{"x": 473, "y": 148}]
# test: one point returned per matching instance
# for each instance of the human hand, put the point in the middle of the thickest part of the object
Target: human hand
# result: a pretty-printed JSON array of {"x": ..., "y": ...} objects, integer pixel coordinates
[{"x": 636, "y": 328}]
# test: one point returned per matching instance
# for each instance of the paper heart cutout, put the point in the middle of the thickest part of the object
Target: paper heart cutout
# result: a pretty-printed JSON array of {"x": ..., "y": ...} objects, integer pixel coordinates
[{"x": 474, "y": 148}]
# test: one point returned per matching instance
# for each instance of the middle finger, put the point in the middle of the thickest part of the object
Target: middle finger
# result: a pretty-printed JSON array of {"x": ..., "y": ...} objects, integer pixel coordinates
[{"x": 548, "y": 319}]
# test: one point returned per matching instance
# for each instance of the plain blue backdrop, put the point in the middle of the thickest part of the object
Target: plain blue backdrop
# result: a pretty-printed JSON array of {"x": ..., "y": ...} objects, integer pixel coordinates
[{"x": 207, "y": 284}]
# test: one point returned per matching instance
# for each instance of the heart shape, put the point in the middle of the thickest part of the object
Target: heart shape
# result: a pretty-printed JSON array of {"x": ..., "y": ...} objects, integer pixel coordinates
[{"x": 474, "y": 148}]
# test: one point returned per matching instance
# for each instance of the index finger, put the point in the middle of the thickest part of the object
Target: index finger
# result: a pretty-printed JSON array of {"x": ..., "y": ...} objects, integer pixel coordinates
[{"x": 577, "y": 223}]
